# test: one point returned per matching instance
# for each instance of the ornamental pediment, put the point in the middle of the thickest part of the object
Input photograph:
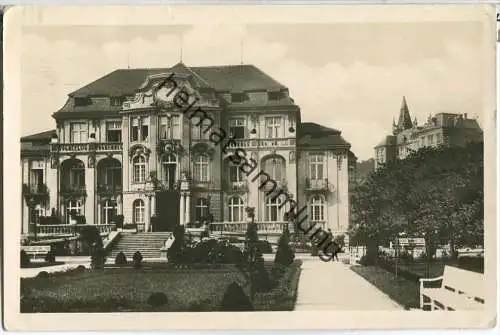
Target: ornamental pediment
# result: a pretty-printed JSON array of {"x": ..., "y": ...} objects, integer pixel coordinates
[{"x": 165, "y": 90}]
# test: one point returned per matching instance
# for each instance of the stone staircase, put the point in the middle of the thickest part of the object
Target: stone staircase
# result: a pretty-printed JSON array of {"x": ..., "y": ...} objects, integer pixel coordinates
[{"x": 148, "y": 244}]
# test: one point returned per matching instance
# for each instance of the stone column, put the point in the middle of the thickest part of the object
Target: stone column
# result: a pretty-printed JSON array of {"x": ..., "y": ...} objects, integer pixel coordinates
[
  {"x": 148, "y": 218},
  {"x": 99, "y": 213},
  {"x": 90, "y": 217},
  {"x": 182, "y": 210},
  {"x": 188, "y": 208}
]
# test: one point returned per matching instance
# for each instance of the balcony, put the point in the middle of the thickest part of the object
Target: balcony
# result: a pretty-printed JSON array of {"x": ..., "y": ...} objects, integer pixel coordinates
[
  {"x": 262, "y": 143},
  {"x": 272, "y": 185},
  {"x": 86, "y": 147},
  {"x": 109, "y": 189},
  {"x": 236, "y": 186},
  {"x": 77, "y": 190},
  {"x": 321, "y": 185},
  {"x": 35, "y": 189}
]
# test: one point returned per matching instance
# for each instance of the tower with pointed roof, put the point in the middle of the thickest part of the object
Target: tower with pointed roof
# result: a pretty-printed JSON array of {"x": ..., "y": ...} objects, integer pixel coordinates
[{"x": 404, "y": 120}]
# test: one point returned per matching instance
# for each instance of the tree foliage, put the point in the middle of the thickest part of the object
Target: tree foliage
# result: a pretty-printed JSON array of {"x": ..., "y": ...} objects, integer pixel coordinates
[{"x": 436, "y": 193}]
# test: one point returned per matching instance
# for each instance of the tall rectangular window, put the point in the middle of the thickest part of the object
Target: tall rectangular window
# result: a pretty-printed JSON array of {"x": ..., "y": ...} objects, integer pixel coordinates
[
  {"x": 145, "y": 129},
  {"x": 170, "y": 127},
  {"x": 273, "y": 127},
  {"x": 78, "y": 131},
  {"x": 203, "y": 129},
  {"x": 316, "y": 166},
  {"x": 134, "y": 130},
  {"x": 237, "y": 128},
  {"x": 113, "y": 131}
]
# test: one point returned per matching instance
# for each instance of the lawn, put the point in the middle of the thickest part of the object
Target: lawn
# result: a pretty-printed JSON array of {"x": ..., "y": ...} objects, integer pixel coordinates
[
  {"x": 128, "y": 289},
  {"x": 403, "y": 291}
]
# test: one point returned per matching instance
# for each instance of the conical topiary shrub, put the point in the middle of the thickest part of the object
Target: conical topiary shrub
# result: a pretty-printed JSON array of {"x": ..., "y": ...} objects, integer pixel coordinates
[
  {"x": 284, "y": 255},
  {"x": 120, "y": 259},
  {"x": 235, "y": 300}
]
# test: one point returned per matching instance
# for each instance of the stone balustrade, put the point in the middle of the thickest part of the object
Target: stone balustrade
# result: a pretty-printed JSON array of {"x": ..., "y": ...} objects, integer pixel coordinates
[
  {"x": 262, "y": 143},
  {"x": 70, "y": 229},
  {"x": 86, "y": 147},
  {"x": 262, "y": 227}
]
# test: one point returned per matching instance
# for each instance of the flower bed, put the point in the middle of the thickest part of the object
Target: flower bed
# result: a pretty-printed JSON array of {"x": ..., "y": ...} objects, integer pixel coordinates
[{"x": 196, "y": 287}]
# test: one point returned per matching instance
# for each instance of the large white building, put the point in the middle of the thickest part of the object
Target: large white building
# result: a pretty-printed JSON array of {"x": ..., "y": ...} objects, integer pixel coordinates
[{"x": 130, "y": 144}]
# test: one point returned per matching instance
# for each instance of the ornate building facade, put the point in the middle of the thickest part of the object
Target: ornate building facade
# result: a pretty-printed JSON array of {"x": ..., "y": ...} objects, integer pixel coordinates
[
  {"x": 444, "y": 129},
  {"x": 146, "y": 143}
]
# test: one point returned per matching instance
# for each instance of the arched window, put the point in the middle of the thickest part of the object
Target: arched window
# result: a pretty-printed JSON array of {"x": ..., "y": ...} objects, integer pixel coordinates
[
  {"x": 169, "y": 176},
  {"x": 275, "y": 167},
  {"x": 201, "y": 208},
  {"x": 108, "y": 211},
  {"x": 139, "y": 164},
  {"x": 236, "y": 209},
  {"x": 316, "y": 166},
  {"x": 317, "y": 208},
  {"x": 201, "y": 168},
  {"x": 138, "y": 208},
  {"x": 273, "y": 210},
  {"x": 73, "y": 208}
]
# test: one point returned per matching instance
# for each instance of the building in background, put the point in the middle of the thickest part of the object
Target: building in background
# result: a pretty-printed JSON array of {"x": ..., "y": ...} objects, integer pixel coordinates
[
  {"x": 122, "y": 146},
  {"x": 444, "y": 129}
]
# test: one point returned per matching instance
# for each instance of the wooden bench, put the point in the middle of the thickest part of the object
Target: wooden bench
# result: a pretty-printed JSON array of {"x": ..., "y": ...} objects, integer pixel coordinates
[
  {"x": 460, "y": 290},
  {"x": 34, "y": 250}
]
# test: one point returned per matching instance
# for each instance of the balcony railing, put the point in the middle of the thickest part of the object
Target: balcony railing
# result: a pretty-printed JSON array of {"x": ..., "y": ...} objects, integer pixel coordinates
[
  {"x": 35, "y": 189},
  {"x": 86, "y": 147},
  {"x": 262, "y": 227},
  {"x": 317, "y": 184},
  {"x": 269, "y": 185},
  {"x": 70, "y": 230},
  {"x": 262, "y": 143},
  {"x": 73, "y": 189},
  {"x": 109, "y": 189},
  {"x": 237, "y": 186}
]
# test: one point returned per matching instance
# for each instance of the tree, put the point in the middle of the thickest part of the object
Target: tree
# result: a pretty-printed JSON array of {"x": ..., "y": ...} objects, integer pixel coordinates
[{"x": 434, "y": 192}]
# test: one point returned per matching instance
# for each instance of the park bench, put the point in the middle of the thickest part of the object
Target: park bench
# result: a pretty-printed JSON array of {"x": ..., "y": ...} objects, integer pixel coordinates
[
  {"x": 34, "y": 250},
  {"x": 460, "y": 290}
]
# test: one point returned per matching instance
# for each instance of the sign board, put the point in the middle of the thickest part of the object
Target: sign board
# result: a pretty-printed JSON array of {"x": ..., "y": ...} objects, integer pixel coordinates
[
  {"x": 36, "y": 248},
  {"x": 419, "y": 241}
]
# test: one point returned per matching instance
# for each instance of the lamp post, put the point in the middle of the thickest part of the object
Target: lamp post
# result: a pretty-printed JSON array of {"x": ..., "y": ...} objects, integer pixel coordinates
[
  {"x": 30, "y": 201},
  {"x": 149, "y": 189}
]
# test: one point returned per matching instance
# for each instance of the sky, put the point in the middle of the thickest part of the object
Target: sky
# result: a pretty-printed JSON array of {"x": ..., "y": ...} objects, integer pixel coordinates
[{"x": 348, "y": 76}]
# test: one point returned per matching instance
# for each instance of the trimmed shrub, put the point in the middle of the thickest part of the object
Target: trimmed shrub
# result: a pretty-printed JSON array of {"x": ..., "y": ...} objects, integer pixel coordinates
[
  {"x": 284, "y": 255},
  {"x": 120, "y": 259},
  {"x": 90, "y": 235},
  {"x": 43, "y": 274},
  {"x": 157, "y": 299},
  {"x": 174, "y": 253},
  {"x": 235, "y": 300},
  {"x": 50, "y": 257},
  {"x": 98, "y": 258},
  {"x": 137, "y": 258},
  {"x": 25, "y": 259},
  {"x": 80, "y": 269}
]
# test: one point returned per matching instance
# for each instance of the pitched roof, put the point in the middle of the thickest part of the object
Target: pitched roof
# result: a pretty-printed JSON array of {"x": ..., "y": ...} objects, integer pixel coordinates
[
  {"x": 312, "y": 134},
  {"x": 233, "y": 78},
  {"x": 42, "y": 136}
]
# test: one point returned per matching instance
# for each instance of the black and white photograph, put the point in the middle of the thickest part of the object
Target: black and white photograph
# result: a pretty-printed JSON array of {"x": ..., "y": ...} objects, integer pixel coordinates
[{"x": 186, "y": 161}]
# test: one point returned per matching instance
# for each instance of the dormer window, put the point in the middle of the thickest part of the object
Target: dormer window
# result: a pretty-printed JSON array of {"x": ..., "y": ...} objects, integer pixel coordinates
[
  {"x": 274, "y": 95},
  {"x": 238, "y": 97},
  {"x": 116, "y": 101}
]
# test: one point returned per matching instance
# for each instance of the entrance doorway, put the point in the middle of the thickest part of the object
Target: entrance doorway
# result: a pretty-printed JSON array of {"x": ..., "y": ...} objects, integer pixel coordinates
[{"x": 167, "y": 210}]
